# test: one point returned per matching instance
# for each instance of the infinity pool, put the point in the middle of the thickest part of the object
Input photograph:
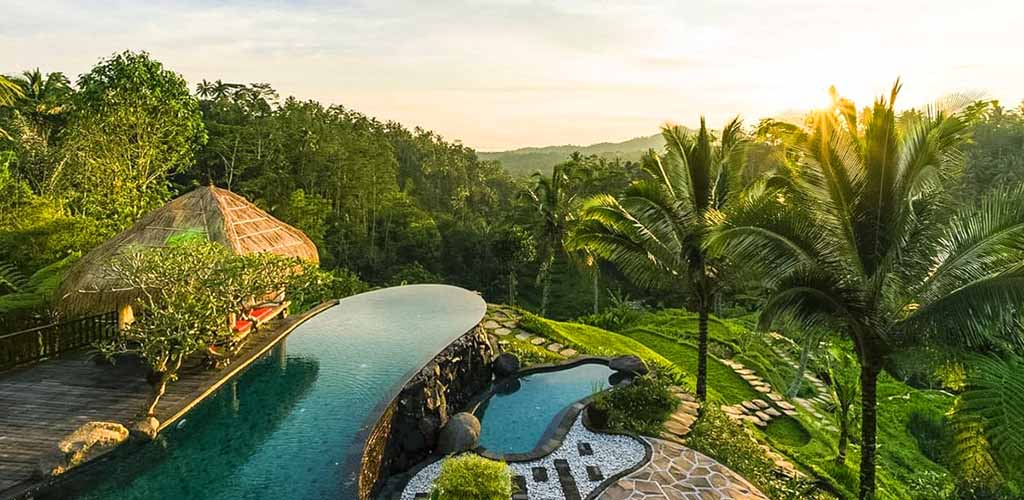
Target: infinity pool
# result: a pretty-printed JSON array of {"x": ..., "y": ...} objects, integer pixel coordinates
[
  {"x": 289, "y": 427},
  {"x": 516, "y": 418}
]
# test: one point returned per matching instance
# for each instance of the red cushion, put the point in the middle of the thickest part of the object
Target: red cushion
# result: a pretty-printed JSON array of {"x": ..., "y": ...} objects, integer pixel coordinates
[
  {"x": 242, "y": 325},
  {"x": 261, "y": 312}
]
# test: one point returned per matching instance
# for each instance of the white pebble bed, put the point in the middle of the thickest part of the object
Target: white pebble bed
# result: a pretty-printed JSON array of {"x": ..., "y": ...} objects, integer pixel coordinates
[{"x": 612, "y": 454}]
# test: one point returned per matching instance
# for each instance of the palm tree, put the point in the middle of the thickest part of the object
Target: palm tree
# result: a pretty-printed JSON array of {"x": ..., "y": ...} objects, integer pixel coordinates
[
  {"x": 10, "y": 92},
  {"x": 654, "y": 232},
  {"x": 844, "y": 391},
  {"x": 556, "y": 200},
  {"x": 863, "y": 241}
]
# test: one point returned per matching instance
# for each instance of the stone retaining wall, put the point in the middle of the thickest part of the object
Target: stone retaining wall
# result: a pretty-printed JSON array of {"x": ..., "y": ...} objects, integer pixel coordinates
[{"x": 408, "y": 429}]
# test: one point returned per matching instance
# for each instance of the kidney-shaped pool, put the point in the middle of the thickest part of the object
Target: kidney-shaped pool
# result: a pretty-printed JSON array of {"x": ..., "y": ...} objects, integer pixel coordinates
[{"x": 288, "y": 426}]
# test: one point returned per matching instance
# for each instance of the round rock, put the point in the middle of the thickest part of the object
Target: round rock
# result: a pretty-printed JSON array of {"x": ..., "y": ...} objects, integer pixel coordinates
[
  {"x": 460, "y": 434},
  {"x": 505, "y": 364},
  {"x": 631, "y": 365}
]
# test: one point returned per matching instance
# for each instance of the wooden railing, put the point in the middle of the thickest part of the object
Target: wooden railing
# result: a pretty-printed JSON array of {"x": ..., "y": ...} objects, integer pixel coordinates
[{"x": 47, "y": 341}]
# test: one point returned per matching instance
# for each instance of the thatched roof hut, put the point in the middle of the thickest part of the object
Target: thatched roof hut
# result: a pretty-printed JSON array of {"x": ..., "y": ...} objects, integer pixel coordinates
[{"x": 221, "y": 215}]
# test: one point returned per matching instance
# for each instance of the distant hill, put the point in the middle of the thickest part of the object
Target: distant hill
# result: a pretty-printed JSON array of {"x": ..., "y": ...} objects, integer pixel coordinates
[{"x": 525, "y": 161}]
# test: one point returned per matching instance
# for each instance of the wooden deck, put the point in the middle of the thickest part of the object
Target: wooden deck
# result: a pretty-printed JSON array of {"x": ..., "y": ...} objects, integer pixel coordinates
[{"x": 42, "y": 403}]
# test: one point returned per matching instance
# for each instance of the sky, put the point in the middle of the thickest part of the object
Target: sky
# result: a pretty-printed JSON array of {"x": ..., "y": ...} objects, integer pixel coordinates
[{"x": 502, "y": 74}]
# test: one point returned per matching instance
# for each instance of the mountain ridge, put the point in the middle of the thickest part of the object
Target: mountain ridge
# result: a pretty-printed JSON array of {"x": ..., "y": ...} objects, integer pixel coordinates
[{"x": 522, "y": 162}]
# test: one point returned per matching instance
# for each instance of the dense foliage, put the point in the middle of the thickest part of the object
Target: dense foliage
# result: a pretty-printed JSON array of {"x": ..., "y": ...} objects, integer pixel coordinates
[{"x": 641, "y": 406}]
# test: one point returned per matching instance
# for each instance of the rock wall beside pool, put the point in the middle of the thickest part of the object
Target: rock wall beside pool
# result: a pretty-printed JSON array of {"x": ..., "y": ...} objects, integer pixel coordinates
[{"x": 408, "y": 430}]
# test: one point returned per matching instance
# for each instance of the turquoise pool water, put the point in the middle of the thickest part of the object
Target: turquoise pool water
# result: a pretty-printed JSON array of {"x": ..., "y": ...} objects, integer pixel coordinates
[
  {"x": 289, "y": 426},
  {"x": 516, "y": 418}
]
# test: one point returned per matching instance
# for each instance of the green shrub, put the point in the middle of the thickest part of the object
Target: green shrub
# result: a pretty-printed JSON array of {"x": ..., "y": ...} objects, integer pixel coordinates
[
  {"x": 472, "y": 477},
  {"x": 641, "y": 407},
  {"x": 614, "y": 319},
  {"x": 932, "y": 432}
]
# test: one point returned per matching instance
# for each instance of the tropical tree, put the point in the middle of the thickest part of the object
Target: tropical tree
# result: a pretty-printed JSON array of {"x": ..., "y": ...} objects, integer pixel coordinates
[
  {"x": 555, "y": 198},
  {"x": 655, "y": 231},
  {"x": 133, "y": 123},
  {"x": 844, "y": 391},
  {"x": 10, "y": 92},
  {"x": 862, "y": 240},
  {"x": 36, "y": 124}
]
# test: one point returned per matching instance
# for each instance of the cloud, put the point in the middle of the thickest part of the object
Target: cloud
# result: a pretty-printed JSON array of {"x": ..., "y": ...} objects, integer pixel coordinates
[{"x": 506, "y": 73}]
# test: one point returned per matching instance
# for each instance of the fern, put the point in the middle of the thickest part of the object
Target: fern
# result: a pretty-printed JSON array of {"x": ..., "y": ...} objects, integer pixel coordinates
[{"x": 11, "y": 279}]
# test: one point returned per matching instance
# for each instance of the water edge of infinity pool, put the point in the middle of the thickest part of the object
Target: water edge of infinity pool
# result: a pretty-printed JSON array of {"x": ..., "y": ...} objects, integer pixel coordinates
[
  {"x": 521, "y": 412},
  {"x": 287, "y": 426}
]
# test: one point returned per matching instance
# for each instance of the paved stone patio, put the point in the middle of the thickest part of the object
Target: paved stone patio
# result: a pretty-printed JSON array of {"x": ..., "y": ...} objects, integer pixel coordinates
[{"x": 676, "y": 472}]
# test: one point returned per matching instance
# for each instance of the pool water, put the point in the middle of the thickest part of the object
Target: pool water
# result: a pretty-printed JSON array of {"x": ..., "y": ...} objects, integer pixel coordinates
[
  {"x": 516, "y": 418},
  {"x": 289, "y": 427}
]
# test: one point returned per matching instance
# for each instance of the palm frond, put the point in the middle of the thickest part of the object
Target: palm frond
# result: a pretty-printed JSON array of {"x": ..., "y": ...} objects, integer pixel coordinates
[{"x": 995, "y": 394}]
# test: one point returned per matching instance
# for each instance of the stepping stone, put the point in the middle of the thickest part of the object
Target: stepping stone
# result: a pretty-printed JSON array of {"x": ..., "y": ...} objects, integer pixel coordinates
[
  {"x": 763, "y": 389},
  {"x": 566, "y": 480},
  {"x": 774, "y": 396},
  {"x": 538, "y": 340},
  {"x": 491, "y": 324},
  {"x": 676, "y": 427},
  {"x": 773, "y": 412},
  {"x": 524, "y": 336},
  {"x": 750, "y": 405},
  {"x": 555, "y": 347},
  {"x": 745, "y": 371},
  {"x": 763, "y": 416},
  {"x": 750, "y": 377},
  {"x": 502, "y": 331},
  {"x": 732, "y": 410},
  {"x": 519, "y": 487},
  {"x": 789, "y": 413},
  {"x": 540, "y": 474},
  {"x": 584, "y": 448},
  {"x": 762, "y": 404},
  {"x": 689, "y": 406},
  {"x": 569, "y": 353},
  {"x": 594, "y": 474},
  {"x": 684, "y": 419},
  {"x": 510, "y": 324}
]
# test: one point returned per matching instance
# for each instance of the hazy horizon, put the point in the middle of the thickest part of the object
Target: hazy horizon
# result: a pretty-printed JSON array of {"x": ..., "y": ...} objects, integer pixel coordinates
[{"x": 507, "y": 74}]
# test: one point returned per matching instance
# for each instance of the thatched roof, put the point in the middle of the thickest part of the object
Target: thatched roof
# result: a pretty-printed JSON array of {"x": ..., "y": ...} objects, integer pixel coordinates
[{"x": 221, "y": 215}]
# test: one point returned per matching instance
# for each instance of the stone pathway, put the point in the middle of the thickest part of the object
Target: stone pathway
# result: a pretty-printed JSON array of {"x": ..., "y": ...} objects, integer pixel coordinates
[
  {"x": 762, "y": 411},
  {"x": 502, "y": 321},
  {"x": 676, "y": 472},
  {"x": 686, "y": 414}
]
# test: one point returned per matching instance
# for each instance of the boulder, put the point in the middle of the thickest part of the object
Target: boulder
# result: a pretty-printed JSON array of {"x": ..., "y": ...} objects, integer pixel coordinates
[
  {"x": 631, "y": 365},
  {"x": 460, "y": 434},
  {"x": 85, "y": 443},
  {"x": 505, "y": 364}
]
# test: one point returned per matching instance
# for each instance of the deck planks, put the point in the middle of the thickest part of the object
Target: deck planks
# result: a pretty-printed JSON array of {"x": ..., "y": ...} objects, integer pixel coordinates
[{"x": 42, "y": 403}]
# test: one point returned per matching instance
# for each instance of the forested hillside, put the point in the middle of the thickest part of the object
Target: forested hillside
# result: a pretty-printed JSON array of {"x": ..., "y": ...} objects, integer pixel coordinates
[{"x": 525, "y": 161}]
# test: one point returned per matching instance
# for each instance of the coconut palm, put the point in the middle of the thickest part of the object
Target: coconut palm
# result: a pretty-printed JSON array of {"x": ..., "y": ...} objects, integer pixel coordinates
[
  {"x": 863, "y": 242},
  {"x": 654, "y": 232},
  {"x": 843, "y": 391},
  {"x": 556, "y": 200},
  {"x": 10, "y": 92}
]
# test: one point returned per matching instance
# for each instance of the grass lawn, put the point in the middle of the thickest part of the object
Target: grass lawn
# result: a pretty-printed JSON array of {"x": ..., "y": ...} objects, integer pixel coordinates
[
  {"x": 724, "y": 385},
  {"x": 589, "y": 339}
]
